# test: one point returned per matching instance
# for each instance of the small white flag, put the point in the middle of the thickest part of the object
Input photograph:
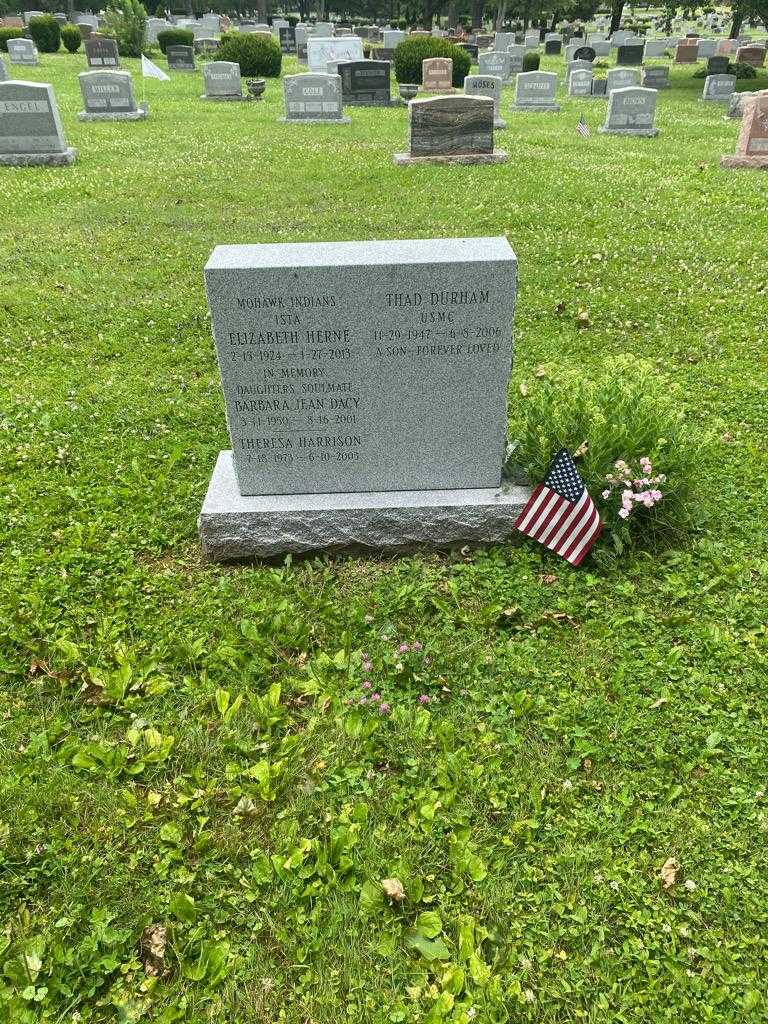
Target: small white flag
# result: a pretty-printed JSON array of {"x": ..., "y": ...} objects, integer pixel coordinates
[{"x": 150, "y": 70}]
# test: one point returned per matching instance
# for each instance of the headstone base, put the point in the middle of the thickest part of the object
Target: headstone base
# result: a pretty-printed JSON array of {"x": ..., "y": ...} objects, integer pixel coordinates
[
  {"x": 537, "y": 108},
  {"x": 645, "y": 133},
  {"x": 234, "y": 527},
  {"x": 314, "y": 120},
  {"x": 228, "y": 99},
  {"x": 435, "y": 92},
  {"x": 758, "y": 163},
  {"x": 113, "y": 115},
  {"x": 714, "y": 99},
  {"x": 39, "y": 159},
  {"x": 498, "y": 156},
  {"x": 499, "y": 123}
]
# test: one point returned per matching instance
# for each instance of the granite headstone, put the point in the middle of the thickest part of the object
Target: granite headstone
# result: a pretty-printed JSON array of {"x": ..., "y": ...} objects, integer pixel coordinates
[
  {"x": 314, "y": 97},
  {"x": 631, "y": 111},
  {"x": 536, "y": 91},
  {"x": 451, "y": 129},
  {"x": 101, "y": 52},
  {"x": 30, "y": 126},
  {"x": 108, "y": 96}
]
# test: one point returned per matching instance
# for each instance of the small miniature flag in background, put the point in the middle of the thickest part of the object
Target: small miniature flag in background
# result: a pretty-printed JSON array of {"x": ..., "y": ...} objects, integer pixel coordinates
[
  {"x": 560, "y": 513},
  {"x": 150, "y": 70},
  {"x": 583, "y": 128}
]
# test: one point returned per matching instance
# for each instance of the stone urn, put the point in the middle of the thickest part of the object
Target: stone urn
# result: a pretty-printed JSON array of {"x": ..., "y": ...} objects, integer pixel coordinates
[
  {"x": 407, "y": 92},
  {"x": 256, "y": 87}
]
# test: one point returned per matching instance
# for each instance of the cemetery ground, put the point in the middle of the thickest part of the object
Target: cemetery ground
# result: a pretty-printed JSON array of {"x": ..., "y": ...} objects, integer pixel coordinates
[{"x": 195, "y": 820}]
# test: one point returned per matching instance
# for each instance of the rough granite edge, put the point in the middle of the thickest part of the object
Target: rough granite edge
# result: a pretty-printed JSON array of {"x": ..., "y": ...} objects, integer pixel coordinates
[
  {"x": 227, "y": 99},
  {"x": 499, "y": 124},
  {"x": 127, "y": 115},
  {"x": 498, "y": 156},
  {"x": 252, "y": 530},
  {"x": 758, "y": 163},
  {"x": 537, "y": 108},
  {"x": 314, "y": 120},
  {"x": 64, "y": 159},
  {"x": 644, "y": 133}
]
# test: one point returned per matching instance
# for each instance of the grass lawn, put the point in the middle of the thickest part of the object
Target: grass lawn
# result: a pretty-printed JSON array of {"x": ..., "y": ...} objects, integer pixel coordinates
[{"x": 176, "y": 745}]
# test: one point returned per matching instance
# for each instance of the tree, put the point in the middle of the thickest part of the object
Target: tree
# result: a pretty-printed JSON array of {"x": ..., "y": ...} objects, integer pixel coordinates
[{"x": 128, "y": 24}]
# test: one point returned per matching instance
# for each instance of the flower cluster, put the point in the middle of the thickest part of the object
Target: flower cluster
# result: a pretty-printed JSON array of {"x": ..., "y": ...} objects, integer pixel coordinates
[
  {"x": 404, "y": 662},
  {"x": 636, "y": 488}
]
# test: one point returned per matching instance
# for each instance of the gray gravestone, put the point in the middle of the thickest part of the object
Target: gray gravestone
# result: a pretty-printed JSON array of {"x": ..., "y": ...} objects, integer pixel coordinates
[
  {"x": 313, "y": 97},
  {"x": 451, "y": 129},
  {"x": 22, "y": 51},
  {"x": 631, "y": 111},
  {"x": 495, "y": 62},
  {"x": 718, "y": 65},
  {"x": 580, "y": 82},
  {"x": 180, "y": 58},
  {"x": 516, "y": 59},
  {"x": 101, "y": 52},
  {"x": 621, "y": 78},
  {"x": 207, "y": 46},
  {"x": 536, "y": 91},
  {"x": 30, "y": 127},
  {"x": 736, "y": 104},
  {"x": 656, "y": 77},
  {"x": 221, "y": 79},
  {"x": 3, "y": 71},
  {"x": 602, "y": 48},
  {"x": 553, "y": 47},
  {"x": 718, "y": 88},
  {"x": 108, "y": 96},
  {"x": 321, "y": 50},
  {"x": 487, "y": 85},
  {"x": 366, "y": 387},
  {"x": 392, "y": 39},
  {"x": 365, "y": 83},
  {"x": 654, "y": 48}
]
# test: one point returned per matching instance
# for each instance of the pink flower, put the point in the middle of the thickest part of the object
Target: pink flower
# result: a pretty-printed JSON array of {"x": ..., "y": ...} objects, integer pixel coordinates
[
  {"x": 606, "y": 494},
  {"x": 424, "y": 699},
  {"x": 366, "y": 684},
  {"x": 375, "y": 698},
  {"x": 384, "y": 708},
  {"x": 367, "y": 666},
  {"x": 657, "y": 495},
  {"x": 416, "y": 646},
  {"x": 624, "y": 512},
  {"x": 403, "y": 649}
]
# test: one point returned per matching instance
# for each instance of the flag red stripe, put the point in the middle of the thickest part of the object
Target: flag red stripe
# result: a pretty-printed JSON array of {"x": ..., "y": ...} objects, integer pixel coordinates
[
  {"x": 545, "y": 522},
  {"x": 525, "y": 515},
  {"x": 566, "y": 528},
  {"x": 577, "y": 560},
  {"x": 557, "y": 523},
  {"x": 581, "y": 534},
  {"x": 541, "y": 512}
]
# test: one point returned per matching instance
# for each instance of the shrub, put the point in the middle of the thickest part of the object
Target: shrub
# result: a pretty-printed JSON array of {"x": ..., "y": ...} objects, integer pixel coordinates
[
  {"x": 257, "y": 57},
  {"x": 128, "y": 24},
  {"x": 9, "y": 33},
  {"x": 623, "y": 411},
  {"x": 45, "y": 33},
  {"x": 531, "y": 61},
  {"x": 160, "y": 11},
  {"x": 411, "y": 52},
  {"x": 738, "y": 68},
  {"x": 175, "y": 37},
  {"x": 70, "y": 36}
]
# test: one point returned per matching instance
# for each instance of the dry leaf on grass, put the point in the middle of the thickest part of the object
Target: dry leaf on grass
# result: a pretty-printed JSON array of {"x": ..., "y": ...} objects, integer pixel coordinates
[
  {"x": 152, "y": 950},
  {"x": 669, "y": 872},
  {"x": 393, "y": 888}
]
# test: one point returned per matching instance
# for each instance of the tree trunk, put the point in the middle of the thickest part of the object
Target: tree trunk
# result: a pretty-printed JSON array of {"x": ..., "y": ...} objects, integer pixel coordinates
[
  {"x": 555, "y": 19},
  {"x": 738, "y": 17},
  {"x": 501, "y": 14},
  {"x": 453, "y": 14},
  {"x": 617, "y": 9},
  {"x": 477, "y": 13}
]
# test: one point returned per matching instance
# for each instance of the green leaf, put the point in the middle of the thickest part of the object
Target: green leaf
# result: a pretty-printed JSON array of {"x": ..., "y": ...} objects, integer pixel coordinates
[
  {"x": 371, "y": 898},
  {"x": 211, "y": 965},
  {"x": 429, "y": 923},
  {"x": 430, "y": 949},
  {"x": 183, "y": 907}
]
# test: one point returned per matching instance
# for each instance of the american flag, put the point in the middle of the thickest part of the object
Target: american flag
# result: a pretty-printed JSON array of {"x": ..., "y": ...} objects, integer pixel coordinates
[
  {"x": 583, "y": 128},
  {"x": 560, "y": 513}
]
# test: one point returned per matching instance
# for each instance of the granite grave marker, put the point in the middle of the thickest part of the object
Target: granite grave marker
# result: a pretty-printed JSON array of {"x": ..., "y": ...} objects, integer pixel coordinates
[
  {"x": 752, "y": 144},
  {"x": 101, "y": 52},
  {"x": 23, "y": 52},
  {"x": 322, "y": 49},
  {"x": 365, "y": 386},
  {"x": 221, "y": 79},
  {"x": 631, "y": 111},
  {"x": 31, "y": 132},
  {"x": 108, "y": 96},
  {"x": 180, "y": 58},
  {"x": 437, "y": 74},
  {"x": 313, "y": 97},
  {"x": 718, "y": 88},
  {"x": 365, "y": 83},
  {"x": 487, "y": 85},
  {"x": 536, "y": 91},
  {"x": 451, "y": 129}
]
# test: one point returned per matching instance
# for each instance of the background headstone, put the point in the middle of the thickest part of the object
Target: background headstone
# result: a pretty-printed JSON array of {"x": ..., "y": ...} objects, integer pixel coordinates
[
  {"x": 630, "y": 56},
  {"x": 580, "y": 82},
  {"x": 221, "y": 79},
  {"x": 314, "y": 96},
  {"x": 437, "y": 74},
  {"x": 487, "y": 85},
  {"x": 322, "y": 49},
  {"x": 718, "y": 88},
  {"x": 101, "y": 52},
  {"x": 30, "y": 126},
  {"x": 536, "y": 91},
  {"x": 365, "y": 83},
  {"x": 180, "y": 58},
  {"x": 621, "y": 78},
  {"x": 494, "y": 62},
  {"x": 23, "y": 52},
  {"x": 448, "y": 129},
  {"x": 631, "y": 111},
  {"x": 655, "y": 77},
  {"x": 752, "y": 145},
  {"x": 108, "y": 96}
]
